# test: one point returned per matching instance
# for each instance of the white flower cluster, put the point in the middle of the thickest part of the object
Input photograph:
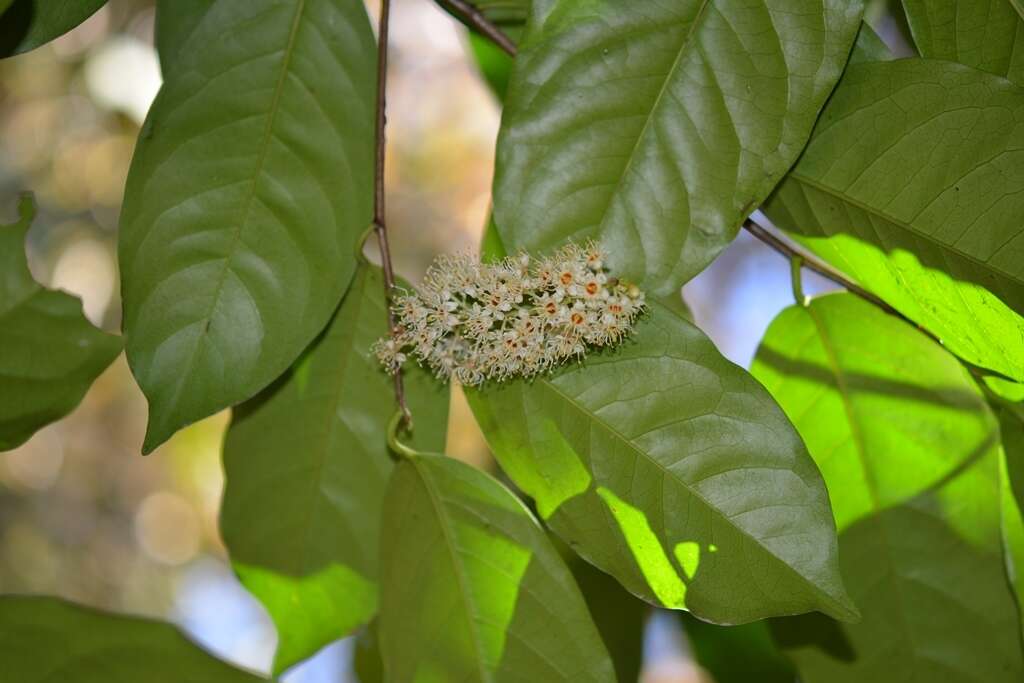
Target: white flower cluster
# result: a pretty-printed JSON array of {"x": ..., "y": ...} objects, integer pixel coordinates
[{"x": 518, "y": 317}]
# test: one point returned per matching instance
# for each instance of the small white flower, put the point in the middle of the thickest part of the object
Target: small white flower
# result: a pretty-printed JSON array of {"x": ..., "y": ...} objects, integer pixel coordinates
[{"x": 516, "y": 318}]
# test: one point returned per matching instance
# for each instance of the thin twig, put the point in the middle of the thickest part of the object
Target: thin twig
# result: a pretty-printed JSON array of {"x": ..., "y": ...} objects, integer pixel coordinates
[
  {"x": 379, "y": 225},
  {"x": 476, "y": 19},
  {"x": 810, "y": 264}
]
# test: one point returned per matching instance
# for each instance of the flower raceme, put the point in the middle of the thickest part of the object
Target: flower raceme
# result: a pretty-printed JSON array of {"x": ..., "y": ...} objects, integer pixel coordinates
[{"x": 518, "y": 317}]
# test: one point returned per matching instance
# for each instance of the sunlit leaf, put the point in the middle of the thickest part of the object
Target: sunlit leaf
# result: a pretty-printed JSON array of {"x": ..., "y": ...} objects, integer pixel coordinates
[
  {"x": 46, "y": 640},
  {"x": 912, "y": 184},
  {"x": 737, "y": 654},
  {"x": 1011, "y": 427},
  {"x": 27, "y": 24},
  {"x": 471, "y": 587},
  {"x": 250, "y": 186},
  {"x": 660, "y": 126},
  {"x": 306, "y": 463},
  {"x": 985, "y": 34},
  {"x": 909, "y": 450},
  {"x": 49, "y": 353},
  {"x": 673, "y": 470}
]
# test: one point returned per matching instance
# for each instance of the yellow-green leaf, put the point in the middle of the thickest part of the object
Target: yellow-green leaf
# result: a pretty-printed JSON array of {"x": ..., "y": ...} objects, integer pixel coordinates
[
  {"x": 673, "y": 470},
  {"x": 471, "y": 587},
  {"x": 306, "y": 465},
  {"x": 909, "y": 450}
]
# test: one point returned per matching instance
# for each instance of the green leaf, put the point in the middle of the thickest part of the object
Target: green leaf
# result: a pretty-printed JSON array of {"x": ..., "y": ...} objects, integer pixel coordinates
[
  {"x": 671, "y": 469},
  {"x": 869, "y": 47},
  {"x": 659, "y": 127},
  {"x": 45, "y": 640},
  {"x": 1011, "y": 474},
  {"x": 306, "y": 465},
  {"x": 737, "y": 654},
  {"x": 471, "y": 587},
  {"x": 925, "y": 210},
  {"x": 496, "y": 66},
  {"x": 508, "y": 15},
  {"x": 366, "y": 661},
  {"x": 27, "y": 24},
  {"x": 176, "y": 21},
  {"x": 49, "y": 353},
  {"x": 251, "y": 184},
  {"x": 984, "y": 34},
  {"x": 909, "y": 450},
  {"x": 618, "y": 615}
]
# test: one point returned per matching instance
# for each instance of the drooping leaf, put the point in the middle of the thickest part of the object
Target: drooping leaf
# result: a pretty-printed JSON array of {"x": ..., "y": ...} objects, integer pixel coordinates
[
  {"x": 909, "y": 450},
  {"x": 471, "y": 587},
  {"x": 737, "y": 654},
  {"x": 660, "y": 126},
  {"x": 306, "y": 465},
  {"x": 250, "y": 186},
  {"x": 49, "y": 353},
  {"x": 985, "y": 34},
  {"x": 45, "y": 640},
  {"x": 27, "y": 24},
  {"x": 911, "y": 184},
  {"x": 672, "y": 469},
  {"x": 1011, "y": 471}
]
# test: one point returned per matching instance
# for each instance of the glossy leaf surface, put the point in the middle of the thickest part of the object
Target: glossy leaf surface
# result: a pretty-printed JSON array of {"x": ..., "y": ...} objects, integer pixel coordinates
[
  {"x": 909, "y": 450},
  {"x": 673, "y": 470},
  {"x": 925, "y": 209},
  {"x": 660, "y": 126},
  {"x": 985, "y": 34},
  {"x": 471, "y": 587},
  {"x": 306, "y": 464},
  {"x": 27, "y": 24},
  {"x": 44, "y": 640},
  {"x": 49, "y": 353},
  {"x": 250, "y": 186}
]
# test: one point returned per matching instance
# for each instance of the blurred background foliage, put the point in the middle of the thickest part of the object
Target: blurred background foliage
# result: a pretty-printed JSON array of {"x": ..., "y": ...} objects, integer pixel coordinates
[{"x": 82, "y": 514}]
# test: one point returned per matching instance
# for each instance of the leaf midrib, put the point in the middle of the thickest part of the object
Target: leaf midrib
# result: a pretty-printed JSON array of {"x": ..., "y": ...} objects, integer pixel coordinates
[
  {"x": 460, "y": 577},
  {"x": 275, "y": 106},
  {"x": 867, "y": 208},
  {"x": 320, "y": 453},
  {"x": 859, "y": 446},
  {"x": 666, "y": 472},
  {"x": 650, "y": 115}
]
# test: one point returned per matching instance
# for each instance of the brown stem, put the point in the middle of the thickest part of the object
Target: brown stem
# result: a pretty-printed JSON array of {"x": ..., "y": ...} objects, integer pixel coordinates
[
  {"x": 810, "y": 264},
  {"x": 476, "y": 19},
  {"x": 379, "y": 224}
]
